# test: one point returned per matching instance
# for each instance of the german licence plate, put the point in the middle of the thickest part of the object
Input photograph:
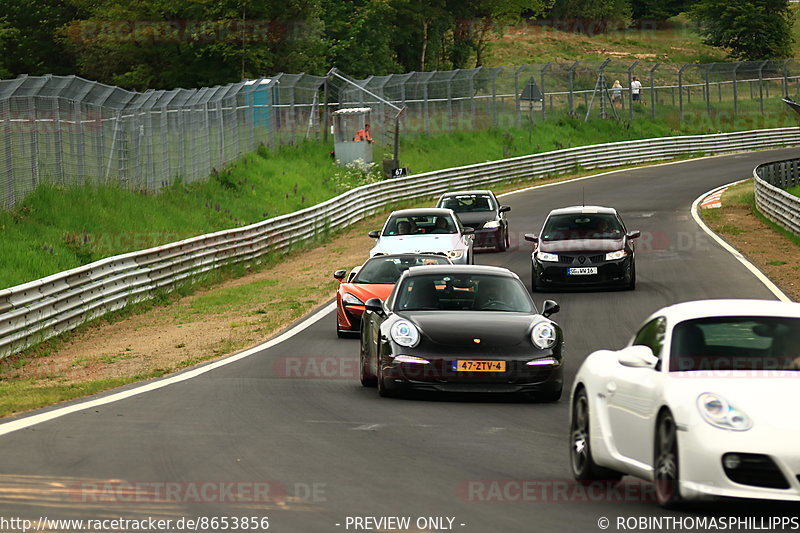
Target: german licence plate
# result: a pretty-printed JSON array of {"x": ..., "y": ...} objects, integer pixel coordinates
[
  {"x": 471, "y": 365},
  {"x": 581, "y": 271}
]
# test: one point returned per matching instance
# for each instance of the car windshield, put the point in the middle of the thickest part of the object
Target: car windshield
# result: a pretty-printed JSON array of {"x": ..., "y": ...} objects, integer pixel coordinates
[
  {"x": 582, "y": 226},
  {"x": 736, "y": 343},
  {"x": 463, "y": 292},
  {"x": 419, "y": 225},
  {"x": 469, "y": 203},
  {"x": 387, "y": 270}
]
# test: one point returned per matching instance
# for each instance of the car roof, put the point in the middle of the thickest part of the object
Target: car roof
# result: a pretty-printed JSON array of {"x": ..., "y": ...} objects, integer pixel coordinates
[
  {"x": 583, "y": 209},
  {"x": 460, "y": 269},
  {"x": 460, "y": 193},
  {"x": 426, "y": 211},
  {"x": 728, "y": 307}
]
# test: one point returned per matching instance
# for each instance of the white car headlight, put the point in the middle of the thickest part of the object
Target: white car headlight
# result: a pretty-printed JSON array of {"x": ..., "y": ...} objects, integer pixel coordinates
[
  {"x": 492, "y": 224},
  {"x": 350, "y": 299},
  {"x": 718, "y": 412},
  {"x": 405, "y": 333},
  {"x": 455, "y": 254},
  {"x": 544, "y": 256},
  {"x": 619, "y": 254},
  {"x": 543, "y": 335}
]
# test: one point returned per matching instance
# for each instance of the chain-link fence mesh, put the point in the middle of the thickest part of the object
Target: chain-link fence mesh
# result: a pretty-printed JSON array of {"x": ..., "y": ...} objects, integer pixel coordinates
[{"x": 66, "y": 130}]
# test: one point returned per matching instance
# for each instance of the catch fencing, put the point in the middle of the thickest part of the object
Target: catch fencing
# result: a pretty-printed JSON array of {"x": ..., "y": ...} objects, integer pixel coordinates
[
  {"x": 770, "y": 183},
  {"x": 40, "y": 309},
  {"x": 69, "y": 131}
]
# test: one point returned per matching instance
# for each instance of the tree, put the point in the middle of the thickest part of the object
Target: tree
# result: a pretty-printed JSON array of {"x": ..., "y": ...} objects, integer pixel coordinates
[
  {"x": 749, "y": 29},
  {"x": 658, "y": 9},
  {"x": 598, "y": 11},
  {"x": 359, "y": 37},
  {"x": 7, "y": 35}
]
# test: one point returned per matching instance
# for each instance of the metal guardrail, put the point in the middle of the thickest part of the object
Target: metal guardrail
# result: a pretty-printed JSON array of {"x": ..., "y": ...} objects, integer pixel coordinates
[
  {"x": 770, "y": 181},
  {"x": 37, "y": 310}
]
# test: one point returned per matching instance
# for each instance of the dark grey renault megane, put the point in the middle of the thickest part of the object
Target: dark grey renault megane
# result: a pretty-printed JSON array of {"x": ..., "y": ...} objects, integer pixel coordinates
[
  {"x": 461, "y": 328},
  {"x": 583, "y": 246}
]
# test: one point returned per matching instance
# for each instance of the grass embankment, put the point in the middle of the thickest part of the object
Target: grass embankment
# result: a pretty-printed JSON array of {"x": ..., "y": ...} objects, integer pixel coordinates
[
  {"x": 543, "y": 41},
  {"x": 61, "y": 228},
  {"x": 770, "y": 247}
]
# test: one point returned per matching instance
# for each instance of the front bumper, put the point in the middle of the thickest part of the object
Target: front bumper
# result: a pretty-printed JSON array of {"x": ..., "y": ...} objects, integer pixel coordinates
[
  {"x": 608, "y": 272},
  {"x": 348, "y": 317},
  {"x": 438, "y": 376},
  {"x": 701, "y": 449},
  {"x": 488, "y": 238}
]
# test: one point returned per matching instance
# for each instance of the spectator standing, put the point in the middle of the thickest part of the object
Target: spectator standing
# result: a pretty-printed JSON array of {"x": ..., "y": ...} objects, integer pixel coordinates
[
  {"x": 636, "y": 90},
  {"x": 616, "y": 93}
]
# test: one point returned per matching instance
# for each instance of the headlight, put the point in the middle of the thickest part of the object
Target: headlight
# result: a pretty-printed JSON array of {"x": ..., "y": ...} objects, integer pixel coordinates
[
  {"x": 544, "y": 256},
  {"x": 619, "y": 254},
  {"x": 411, "y": 359},
  {"x": 405, "y": 334},
  {"x": 718, "y": 412},
  {"x": 350, "y": 299},
  {"x": 543, "y": 335},
  {"x": 492, "y": 224},
  {"x": 455, "y": 254}
]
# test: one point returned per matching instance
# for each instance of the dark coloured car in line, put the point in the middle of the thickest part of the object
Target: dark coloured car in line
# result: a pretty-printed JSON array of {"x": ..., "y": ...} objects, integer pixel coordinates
[
  {"x": 481, "y": 211},
  {"x": 461, "y": 328},
  {"x": 583, "y": 246}
]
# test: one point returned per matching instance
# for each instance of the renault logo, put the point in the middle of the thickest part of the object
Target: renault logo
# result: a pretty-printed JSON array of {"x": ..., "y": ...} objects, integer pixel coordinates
[{"x": 581, "y": 260}]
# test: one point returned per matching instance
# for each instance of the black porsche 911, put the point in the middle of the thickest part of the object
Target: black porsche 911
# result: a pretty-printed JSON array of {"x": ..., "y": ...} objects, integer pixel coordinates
[
  {"x": 583, "y": 246},
  {"x": 461, "y": 328}
]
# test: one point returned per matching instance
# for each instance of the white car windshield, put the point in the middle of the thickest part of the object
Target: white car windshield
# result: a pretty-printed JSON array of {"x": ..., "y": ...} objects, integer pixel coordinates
[
  {"x": 419, "y": 225},
  {"x": 736, "y": 343}
]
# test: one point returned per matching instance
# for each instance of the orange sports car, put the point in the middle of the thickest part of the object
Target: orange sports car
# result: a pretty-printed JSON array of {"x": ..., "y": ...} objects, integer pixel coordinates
[{"x": 373, "y": 279}]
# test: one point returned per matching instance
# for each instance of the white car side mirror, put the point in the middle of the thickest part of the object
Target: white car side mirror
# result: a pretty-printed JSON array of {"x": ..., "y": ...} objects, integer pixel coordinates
[{"x": 637, "y": 357}]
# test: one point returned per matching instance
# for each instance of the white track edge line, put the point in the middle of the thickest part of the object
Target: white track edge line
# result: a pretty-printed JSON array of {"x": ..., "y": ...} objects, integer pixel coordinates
[
  {"x": 33, "y": 420},
  {"x": 733, "y": 251}
]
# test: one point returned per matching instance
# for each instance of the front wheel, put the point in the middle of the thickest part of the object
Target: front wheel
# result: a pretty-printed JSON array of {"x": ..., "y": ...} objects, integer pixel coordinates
[
  {"x": 665, "y": 465},
  {"x": 583, "y": 466},
  {"x": 632, "y": 279},
  {"x": 383, "y": 391},
  {"x": 367, "y": 380}
]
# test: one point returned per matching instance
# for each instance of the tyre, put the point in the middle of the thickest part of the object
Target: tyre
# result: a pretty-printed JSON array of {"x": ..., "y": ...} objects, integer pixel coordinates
[
  {"x": 666, "y": 471},
  {"x": 632, "y": 281},
  {"x": 535, "y": 287},
  {"x": 583, "y": 466},
  {"x": 382, "y": 390},
  {"x": 367, "y": 379},
  {"x": 502, "y": 243},
  {"x": 549, "y": 396}
]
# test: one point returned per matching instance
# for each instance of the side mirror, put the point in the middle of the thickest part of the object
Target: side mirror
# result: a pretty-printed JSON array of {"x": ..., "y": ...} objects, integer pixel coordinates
[
  {"x": 340, "y": 274},
  {"x": 637, "y": 357},
  {"x": 504, "y": 208},
  {"x": 374, "y": 234},
  {"x": 375, "y": 305},
  {"x": 531, "y": 237},
  {"x": 468, "y": 230},
  {"x": 634, "y": 234},
  {"x": 550, "y": 307}
]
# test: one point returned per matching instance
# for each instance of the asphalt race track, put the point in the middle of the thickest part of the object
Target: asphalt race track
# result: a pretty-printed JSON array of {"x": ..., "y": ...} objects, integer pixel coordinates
[{"x": 291, "y": 435}]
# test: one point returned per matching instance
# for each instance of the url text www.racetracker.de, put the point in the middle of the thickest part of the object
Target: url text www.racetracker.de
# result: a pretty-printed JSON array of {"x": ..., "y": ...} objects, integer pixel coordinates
[
  {"x": 116, "y": 525},
  {"x": 699, "y": 523}
]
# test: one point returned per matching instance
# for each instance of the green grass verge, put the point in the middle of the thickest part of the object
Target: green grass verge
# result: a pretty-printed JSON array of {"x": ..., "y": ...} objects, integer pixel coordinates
[{"x": 748, "y": 198}]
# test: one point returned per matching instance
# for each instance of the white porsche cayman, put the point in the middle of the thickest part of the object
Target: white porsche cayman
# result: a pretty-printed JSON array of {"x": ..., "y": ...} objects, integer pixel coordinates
[{"x": 704, "y": 400}]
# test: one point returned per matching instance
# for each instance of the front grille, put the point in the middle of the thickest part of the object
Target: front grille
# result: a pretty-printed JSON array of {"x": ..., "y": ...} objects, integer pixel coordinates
[
  {"x": 573, "y": 258},
  {"x": 756, "y": 470}
]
